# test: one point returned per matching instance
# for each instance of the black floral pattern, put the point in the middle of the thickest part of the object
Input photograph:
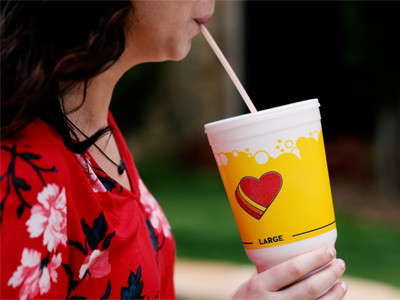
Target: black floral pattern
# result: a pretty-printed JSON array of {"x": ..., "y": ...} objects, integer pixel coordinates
[
  {"x": 154, "y": 236},
  {"x": 98, "y": 233},
  {"x": 109, "y": 183},
  {"x": 105, "y": 297},
  {"x": 19, "y": 184},
  {"x": 135, "y": 286},
  {"x": 108, "y": 291},
  {"x": 93, "y": 237}
]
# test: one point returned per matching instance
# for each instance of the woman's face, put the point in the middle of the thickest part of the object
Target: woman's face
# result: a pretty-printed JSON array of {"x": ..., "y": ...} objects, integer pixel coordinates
[{"x": 162, "y": 30}]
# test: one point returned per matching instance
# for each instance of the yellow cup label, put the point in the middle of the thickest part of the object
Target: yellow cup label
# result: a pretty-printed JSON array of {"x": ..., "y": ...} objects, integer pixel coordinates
[{"x": 280, "y": 200}]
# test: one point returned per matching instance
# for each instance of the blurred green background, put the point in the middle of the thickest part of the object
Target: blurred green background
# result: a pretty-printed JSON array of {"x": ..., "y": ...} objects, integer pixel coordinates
[{"x": 345, "y": 53}]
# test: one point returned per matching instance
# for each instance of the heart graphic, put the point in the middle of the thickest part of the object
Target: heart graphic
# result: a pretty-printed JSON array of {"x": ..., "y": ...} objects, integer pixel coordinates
[{"x": 256, "y": 195}]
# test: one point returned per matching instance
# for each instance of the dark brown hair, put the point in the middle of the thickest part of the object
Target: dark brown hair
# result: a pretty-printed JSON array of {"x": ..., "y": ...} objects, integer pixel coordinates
[{"x": 45, "y": 43}]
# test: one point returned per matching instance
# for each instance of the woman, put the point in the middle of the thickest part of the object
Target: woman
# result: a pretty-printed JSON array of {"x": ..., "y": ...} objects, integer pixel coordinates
[{"x": 76, "y": 219}]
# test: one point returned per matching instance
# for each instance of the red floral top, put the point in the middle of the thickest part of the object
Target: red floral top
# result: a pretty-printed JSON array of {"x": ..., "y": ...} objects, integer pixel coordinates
[{"x": 68, "y": 231}]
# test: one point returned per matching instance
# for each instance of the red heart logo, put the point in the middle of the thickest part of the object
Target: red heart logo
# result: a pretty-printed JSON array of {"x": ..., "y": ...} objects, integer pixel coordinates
[{"x": 256, "y": 195}]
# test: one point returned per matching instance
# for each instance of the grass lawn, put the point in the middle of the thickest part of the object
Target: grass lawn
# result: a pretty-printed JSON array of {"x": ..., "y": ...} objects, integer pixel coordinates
[{"x": 198, "y": 210}]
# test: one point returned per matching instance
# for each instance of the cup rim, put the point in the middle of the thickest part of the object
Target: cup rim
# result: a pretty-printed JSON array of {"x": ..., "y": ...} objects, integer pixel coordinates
[{"x": 269, "y": 113}]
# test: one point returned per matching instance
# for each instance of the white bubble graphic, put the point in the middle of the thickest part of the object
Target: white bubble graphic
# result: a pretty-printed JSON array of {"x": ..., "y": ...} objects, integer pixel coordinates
[
  {"x": 235, "y": 153},
  {"x": 288, "y": 144},
  {"x": 261, "y": 157},
  {"x": 217, "y": 159},
  {"x": 297, "y": 152},
  {"x": 315, "y": 135},
  {"x": 223, "y": 159}
]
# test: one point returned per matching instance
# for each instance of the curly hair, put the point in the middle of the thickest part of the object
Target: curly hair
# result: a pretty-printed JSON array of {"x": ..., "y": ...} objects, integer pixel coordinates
[{"x": 45, "y": 43}]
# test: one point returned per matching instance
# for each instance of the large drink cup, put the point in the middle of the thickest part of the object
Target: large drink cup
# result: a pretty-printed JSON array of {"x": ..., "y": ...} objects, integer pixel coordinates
[{"x": 275, "y": 174}]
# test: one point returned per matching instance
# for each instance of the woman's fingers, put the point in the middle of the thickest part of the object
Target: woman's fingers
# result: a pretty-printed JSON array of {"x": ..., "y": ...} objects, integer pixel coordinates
[
  {"x": 318, "y": 270},
  {"x": 318, "y": 283},
  {"x": 292, "y": 270},
  {"x": 338, "y": 291}
]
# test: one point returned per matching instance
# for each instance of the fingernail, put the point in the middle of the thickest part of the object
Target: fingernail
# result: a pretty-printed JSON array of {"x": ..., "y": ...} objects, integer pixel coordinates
[
  {"x": 330, "y": 252},
  {"x": 341, "y": 264},
  {"x": 344, "y": 286}
]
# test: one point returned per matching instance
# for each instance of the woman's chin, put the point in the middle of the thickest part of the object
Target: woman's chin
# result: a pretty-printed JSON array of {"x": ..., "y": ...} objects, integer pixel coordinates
[
  {"x": 180, "y": 53},
  {"x": 174, "y": 53}
]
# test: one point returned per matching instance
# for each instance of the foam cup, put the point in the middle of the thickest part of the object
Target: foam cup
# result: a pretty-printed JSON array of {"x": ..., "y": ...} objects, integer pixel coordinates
[{"x": 275, "y": 174}]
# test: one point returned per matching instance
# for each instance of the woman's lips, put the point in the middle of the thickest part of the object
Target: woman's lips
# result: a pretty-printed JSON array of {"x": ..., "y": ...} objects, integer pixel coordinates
[{"x": 203, "y": 20}]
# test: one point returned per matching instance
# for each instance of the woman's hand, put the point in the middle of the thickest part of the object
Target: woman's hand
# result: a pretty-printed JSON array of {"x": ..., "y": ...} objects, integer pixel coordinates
[{"x": 278, "y": 282}]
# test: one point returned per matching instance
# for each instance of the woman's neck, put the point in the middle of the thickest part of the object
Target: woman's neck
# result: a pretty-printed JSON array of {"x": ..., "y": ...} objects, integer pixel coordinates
[{"x": 92, "y": 113}]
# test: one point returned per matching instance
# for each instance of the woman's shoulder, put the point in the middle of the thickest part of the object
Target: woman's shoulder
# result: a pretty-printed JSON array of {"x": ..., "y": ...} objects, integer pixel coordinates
[
  {"x": 37, "y": 143},
  {"x": 36, "y": 134},
  {"x": 33, "y": 160}
]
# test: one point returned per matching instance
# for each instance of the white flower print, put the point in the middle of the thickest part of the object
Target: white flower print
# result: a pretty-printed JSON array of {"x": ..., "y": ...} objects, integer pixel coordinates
[
  {"x": 49, "y": 217},
  {"x": 34, "y": 275},
  {"x": 94, "y": 181},
  {"x": 97, "y": 263},
  {"x": 153, "y": 209}
]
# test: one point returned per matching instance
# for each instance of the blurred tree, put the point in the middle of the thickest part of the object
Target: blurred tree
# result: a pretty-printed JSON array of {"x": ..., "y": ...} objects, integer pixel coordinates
[
  {"x": 134, "y": 94},
  {"x": 372, "y": 56}
]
